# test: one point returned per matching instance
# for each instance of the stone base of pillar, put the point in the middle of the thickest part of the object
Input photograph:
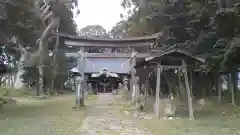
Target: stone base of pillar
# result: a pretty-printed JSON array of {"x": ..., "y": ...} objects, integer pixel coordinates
[{"x": 76, "y": 107}]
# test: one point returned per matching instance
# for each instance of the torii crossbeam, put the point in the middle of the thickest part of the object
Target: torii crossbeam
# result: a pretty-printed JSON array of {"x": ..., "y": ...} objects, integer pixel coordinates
[{"x": 80, "y": 41}]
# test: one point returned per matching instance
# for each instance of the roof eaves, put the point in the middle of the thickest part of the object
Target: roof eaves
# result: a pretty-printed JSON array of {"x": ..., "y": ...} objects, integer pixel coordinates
[{"x": 175, "y": 50}]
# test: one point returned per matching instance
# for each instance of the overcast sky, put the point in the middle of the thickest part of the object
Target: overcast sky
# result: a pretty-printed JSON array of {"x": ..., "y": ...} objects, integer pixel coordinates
[{"x": 103, "y": 12}]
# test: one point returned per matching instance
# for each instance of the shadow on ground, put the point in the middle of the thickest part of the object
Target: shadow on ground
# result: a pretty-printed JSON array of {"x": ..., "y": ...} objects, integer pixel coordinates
[{"x": 53, "y": 116}]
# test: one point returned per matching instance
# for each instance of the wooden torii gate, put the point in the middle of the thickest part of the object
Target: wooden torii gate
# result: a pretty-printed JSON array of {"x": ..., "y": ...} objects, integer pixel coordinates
[{"x": 81, "y": 42}]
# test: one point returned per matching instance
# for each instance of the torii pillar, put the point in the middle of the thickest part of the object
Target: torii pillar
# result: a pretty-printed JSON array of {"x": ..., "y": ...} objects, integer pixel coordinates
[
  {"x": 133, "y": 85},
  {"x": 80, "y": 79}
]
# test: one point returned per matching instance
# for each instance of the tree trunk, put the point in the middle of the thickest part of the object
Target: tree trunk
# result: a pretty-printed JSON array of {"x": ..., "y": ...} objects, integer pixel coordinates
[
  {"x": 54, "y": 59},
  {"x": 190, "y": 107},
  {"x": 18, "y": 84},
  {"x": 42, "y": 47}
]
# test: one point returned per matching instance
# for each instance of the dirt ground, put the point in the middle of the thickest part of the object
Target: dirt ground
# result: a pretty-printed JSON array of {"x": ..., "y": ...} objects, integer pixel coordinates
[
  {"x": 107, "y": 114},
  {"x": 104, "y": 119},
  {"x": 53, "y": 116}
]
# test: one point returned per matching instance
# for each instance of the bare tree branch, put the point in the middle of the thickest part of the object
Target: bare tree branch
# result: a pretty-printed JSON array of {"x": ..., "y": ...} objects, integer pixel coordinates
[
  {"x": 50, "y": 26},
  {"x": 50, "y": 14},
  {"x": 45, "y": 11}
]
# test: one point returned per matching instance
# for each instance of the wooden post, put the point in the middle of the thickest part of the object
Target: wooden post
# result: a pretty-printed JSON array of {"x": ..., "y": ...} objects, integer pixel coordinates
[
  {"x": 80, "y": 80},
  {"x": 81, "y": 69},
  {"x": 78, "y": 91},
  {"x": 78, "y": 86},
  {"x": 137, "y": 93},
  {"x": 218, "y": 87},
  {"x": 146, "y": 88},
  {"x": 104, "y": 88},
  {"x": 82, "y": 91},
  {"x": 156, "y": 108},
  {"x": 133, "y": 76},
  {"x": 97, "y": 85},
  {"x": 190, "y": 107},
  {"x": 40, "y": 68},
  {"x": 235, "y": 83},
  {"x": 191, "y": 80},
  {"x": 232, "y": 86},
  {"x": 134, "y": 86},
  {"x": 137, "y": 88},
  {"x": 131, "y": 79},
  {"x": 112, "y": 87}
]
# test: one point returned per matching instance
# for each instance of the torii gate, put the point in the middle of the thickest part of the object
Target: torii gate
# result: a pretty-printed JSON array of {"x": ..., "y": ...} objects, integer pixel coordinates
[{"x": 81, "y": 42}]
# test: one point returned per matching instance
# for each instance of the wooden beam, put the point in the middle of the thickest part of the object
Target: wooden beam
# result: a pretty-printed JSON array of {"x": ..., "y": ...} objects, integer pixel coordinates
[
  {"x": 165, "y": 67},
  {"x": 106, "y": 44},
  {"x": 112, "y": 40},
  {"x": 109, "y": 55}
]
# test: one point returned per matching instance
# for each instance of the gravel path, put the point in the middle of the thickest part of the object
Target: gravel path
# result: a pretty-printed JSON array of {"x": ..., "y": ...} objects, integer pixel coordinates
[{"x": 102, "y": 119}]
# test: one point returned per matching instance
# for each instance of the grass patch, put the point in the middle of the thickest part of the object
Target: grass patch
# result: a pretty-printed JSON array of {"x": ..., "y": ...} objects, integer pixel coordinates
[
  {"x": 11, "y": 92},
  {"x": 213, "y": 126},
  {"x": 53, "y": 116},
  {"x": 211, "y": 119}
]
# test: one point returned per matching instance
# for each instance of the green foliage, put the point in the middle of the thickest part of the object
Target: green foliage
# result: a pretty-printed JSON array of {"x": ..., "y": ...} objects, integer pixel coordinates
[
  {"x": 18, "y": 18},
  {"x": 21, "y": 19},
  {"x": 67, "y": 24},
  {"x": 207, "y": 28},
  {"x": 93, "y": 31},
  {"x": 119, "y": 30}
]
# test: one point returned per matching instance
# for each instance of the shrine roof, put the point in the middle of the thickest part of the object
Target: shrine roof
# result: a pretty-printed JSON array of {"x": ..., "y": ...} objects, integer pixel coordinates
[
  {"x": 176, "y": 54},
  {"x": 169, "y": 56}
]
